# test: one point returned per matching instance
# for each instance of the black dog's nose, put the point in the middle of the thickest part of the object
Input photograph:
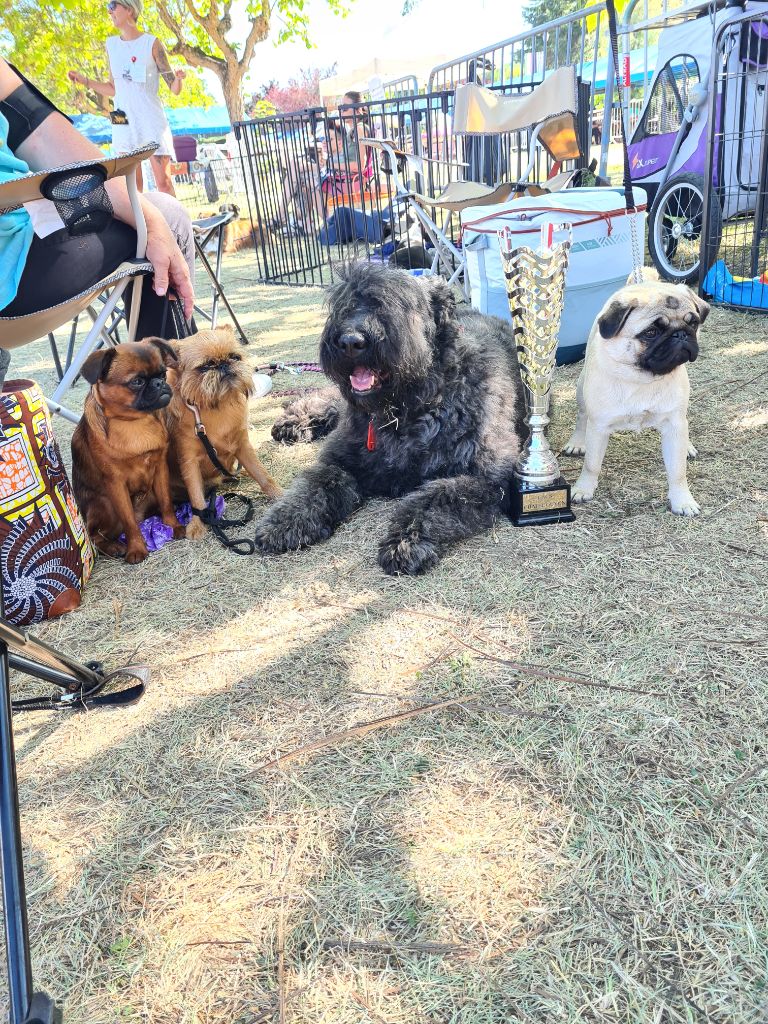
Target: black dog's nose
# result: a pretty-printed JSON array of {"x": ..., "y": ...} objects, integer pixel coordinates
[{"x": 352, "y": 344}]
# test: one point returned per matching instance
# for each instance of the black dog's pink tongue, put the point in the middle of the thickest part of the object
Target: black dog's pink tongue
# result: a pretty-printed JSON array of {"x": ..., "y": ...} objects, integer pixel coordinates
[{"x": 362, "y": 379}]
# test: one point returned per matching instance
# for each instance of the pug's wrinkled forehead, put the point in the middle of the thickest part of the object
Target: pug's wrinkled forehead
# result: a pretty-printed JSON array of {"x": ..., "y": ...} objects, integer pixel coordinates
[{"x": 637, "y": 307}]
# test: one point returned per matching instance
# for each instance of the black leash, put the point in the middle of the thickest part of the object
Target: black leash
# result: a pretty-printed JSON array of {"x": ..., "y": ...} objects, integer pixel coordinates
[
  {"x": 239, "y": 546},
  {"x": 210, "y": 450}
]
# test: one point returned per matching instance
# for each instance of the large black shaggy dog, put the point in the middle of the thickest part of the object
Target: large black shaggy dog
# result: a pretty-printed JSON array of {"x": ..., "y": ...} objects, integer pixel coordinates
[{"x": 429, "y": 409}]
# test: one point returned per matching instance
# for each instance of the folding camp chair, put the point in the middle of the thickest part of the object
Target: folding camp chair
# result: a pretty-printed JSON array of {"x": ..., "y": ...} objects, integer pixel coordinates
[
  {"x": 207, "y": 230},
  {"x": 78, "y": 193},
  {"x": 548, "y": 113}
]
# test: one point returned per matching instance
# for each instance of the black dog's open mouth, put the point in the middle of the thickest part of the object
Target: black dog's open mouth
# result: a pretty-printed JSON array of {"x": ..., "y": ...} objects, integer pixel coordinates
[{"x": 364, "y": 381}]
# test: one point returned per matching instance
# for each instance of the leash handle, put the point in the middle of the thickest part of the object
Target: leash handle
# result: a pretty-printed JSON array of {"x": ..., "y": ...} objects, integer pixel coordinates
[{"x": 239, "y": 545}]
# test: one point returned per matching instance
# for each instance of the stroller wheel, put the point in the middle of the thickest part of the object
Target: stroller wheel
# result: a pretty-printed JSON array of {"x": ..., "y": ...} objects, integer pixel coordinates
[{"x": 674, "y": 232}]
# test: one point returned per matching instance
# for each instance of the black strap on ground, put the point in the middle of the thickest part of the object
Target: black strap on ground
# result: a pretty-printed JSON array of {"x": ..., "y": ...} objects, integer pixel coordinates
[
  {"x": 85, "y": 700},
  {"x": 610, "y": 7},
  {"x": 240, "y": 545}
]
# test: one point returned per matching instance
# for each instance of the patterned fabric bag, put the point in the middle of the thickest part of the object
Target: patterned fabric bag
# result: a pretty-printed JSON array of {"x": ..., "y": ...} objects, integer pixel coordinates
[{"x": 45, "y": 553}]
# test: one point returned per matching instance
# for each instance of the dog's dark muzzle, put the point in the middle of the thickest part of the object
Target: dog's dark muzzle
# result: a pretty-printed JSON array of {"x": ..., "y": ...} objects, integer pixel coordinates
[
  {"x": 156, "y": 395},
  {"x": 670, "y": 352}
]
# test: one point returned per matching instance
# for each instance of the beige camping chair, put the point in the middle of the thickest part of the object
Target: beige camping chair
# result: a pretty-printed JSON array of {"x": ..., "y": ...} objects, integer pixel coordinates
[
  {"x": 548, "y": 112},
  {"x": 82, "y": 203}
]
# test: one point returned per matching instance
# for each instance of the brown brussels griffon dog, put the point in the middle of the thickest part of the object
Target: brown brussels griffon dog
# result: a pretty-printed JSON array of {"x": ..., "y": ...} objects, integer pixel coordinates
[
  {"x": 211, "y": 384},
  {"x": 120, "y": 446}
]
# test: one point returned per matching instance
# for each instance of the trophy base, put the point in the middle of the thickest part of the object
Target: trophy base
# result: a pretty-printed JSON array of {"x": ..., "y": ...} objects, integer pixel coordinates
[{"x": 533, "y": 505}]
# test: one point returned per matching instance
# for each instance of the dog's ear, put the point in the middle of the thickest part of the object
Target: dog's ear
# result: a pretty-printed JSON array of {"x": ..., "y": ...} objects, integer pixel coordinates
[
  {"x": 96, "y": 366},
  {"x": 702, "y": 306},
  {"x": 169, "y": 354},
  {"x": 442, "y": 300},
  {"x": 615, "y": 316}
]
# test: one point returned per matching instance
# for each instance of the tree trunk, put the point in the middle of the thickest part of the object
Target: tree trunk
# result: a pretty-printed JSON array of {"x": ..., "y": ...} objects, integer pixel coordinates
[{"x": 231, "y": 83}]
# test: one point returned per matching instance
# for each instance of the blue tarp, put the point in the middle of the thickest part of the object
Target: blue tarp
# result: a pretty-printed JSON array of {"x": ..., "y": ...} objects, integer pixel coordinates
[{"x": 183, "y": 121}]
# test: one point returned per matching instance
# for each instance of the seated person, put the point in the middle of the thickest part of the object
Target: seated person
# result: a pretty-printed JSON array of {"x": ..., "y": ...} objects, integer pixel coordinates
[
  {"x": 36, "y": 273},
  {"x": 345, "y": 172}
]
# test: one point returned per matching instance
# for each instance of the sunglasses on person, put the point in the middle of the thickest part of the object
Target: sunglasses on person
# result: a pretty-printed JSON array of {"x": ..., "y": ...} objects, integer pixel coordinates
[{"x": 113, "y": 4}]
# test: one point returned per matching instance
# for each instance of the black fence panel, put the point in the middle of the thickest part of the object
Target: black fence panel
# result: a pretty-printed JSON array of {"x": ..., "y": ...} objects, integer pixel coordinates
[
  {"x": 733, "y": 263},
  {"x": 319, "y": 193}
]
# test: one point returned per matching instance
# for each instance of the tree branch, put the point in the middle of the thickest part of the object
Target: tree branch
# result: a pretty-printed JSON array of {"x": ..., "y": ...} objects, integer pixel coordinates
[
  {"x": 259, "y": 31},
  {"x": 192, "y": 54}
]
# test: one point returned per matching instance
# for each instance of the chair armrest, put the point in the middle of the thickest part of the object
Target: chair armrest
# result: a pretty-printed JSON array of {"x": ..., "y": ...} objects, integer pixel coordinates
[{"x": 27, "y": 188}]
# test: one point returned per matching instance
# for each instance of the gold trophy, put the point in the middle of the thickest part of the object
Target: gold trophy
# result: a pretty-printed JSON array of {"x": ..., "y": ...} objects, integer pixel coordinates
[{"x": 536, "y": 292}]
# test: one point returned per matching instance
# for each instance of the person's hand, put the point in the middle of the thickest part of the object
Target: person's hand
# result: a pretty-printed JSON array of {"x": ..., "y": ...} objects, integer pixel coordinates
[
  {"x": 171, "y": 268},
  {"x": 180, "y": 75},
  {"x": 75, "y": 76}
]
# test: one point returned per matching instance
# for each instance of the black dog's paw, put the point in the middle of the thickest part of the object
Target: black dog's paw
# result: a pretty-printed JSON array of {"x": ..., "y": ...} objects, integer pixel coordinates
[
  {"x": 275, "y": 538},
  {"x": 407, "y": 556},
  {"x": 290, "y": 429},
  {"x": 308, "y": 419}
]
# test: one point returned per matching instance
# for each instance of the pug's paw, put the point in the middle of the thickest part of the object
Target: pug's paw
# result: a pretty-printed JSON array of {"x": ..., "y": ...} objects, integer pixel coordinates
[
  {"x": 582, "y": 492},
  {"x": 576, "y": 446},
  {"x": 692, "y": 453},
  {"x": 683, "y": 503}
]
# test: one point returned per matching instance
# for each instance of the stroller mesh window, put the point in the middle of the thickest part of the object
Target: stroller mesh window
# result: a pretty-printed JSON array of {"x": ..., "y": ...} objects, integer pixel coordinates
[{"x": 664, "y": 113}]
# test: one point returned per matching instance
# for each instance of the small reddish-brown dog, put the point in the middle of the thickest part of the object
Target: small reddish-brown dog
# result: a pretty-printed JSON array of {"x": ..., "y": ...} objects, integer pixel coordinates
[
  {"x": 120, "y": 446},
  {"x": 211, "y": 384}
]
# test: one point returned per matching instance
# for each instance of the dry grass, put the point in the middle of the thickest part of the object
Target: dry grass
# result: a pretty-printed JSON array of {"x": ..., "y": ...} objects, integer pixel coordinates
[{"x": 580, "y": 853}]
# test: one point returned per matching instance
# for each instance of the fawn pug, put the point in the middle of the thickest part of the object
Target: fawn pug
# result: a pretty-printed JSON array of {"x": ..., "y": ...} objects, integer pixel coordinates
[{"x": 635, "y": 376}]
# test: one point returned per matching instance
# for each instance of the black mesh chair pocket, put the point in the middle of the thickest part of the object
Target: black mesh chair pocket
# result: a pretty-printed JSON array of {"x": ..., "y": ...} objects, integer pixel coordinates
[{"x": 80, "y": 199}]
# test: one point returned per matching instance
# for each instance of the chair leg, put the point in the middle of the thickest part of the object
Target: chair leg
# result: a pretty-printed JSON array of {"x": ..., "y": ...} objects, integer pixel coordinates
[
  {"x": 55, "y": 354},
  {"x": 220, "y": 292},
  {"x": 92, "y": 340},
  {"x": 14, "y": 897}
]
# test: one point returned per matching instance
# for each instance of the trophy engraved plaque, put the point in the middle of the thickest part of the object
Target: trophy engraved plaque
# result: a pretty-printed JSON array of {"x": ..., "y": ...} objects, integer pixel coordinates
[{"x": 536, "y": 292}]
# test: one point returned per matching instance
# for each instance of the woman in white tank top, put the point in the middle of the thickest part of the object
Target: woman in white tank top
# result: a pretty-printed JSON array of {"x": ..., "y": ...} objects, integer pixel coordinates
[{"x": 137, "y": 60}]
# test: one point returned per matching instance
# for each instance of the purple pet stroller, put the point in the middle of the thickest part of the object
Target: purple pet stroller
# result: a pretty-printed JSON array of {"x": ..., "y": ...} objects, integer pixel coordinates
[{"x": 668, "y": 149}]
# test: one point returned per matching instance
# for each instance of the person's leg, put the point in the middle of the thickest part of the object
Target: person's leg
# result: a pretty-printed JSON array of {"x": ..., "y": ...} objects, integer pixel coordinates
[
  {"x": 161, "y": 168},
  {"x": 60, "y": 266}
]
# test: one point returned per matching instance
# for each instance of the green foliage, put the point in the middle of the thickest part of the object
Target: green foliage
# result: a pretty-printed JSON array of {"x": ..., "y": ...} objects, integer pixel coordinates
[
  {"x": 45, "y": 38},
  {"x": 539, "y": 12}
]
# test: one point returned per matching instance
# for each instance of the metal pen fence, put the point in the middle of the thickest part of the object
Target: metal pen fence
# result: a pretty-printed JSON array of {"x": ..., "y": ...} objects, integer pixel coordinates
[
  {"x": 733, "y": 264},
  {"x": 524, "y": 60},
  {"x": 318, "y": 194},
  {"x": 211, "y": 182}
]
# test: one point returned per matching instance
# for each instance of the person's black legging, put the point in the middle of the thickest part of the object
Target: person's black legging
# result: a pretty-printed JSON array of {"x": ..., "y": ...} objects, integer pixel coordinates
[{"x": 61, "y": 266}]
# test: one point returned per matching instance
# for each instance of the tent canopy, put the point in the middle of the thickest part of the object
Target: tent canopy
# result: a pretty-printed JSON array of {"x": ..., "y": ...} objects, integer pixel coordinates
[{"x": 183, "y": 121}]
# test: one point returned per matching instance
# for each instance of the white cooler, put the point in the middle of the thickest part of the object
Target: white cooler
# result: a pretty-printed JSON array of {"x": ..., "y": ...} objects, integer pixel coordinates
[{"x": 600, "y": 258}]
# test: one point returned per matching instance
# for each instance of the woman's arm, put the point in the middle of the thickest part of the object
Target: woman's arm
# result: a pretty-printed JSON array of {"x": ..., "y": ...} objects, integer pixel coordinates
[
  {"x": 102, "y": 88},
  {"x": 55, "y": 143},
  {"x": 173, "y": 79}
]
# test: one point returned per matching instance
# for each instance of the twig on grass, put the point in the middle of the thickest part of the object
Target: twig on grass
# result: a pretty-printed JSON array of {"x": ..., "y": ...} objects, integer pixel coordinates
[
  {"x": 221, "y": 942},
  {"x": 358, "y": 945},
  {"x": 728, "y": 792},
  {"x": 379, "y": 723},
  {"x": 557, "y": 677}
]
